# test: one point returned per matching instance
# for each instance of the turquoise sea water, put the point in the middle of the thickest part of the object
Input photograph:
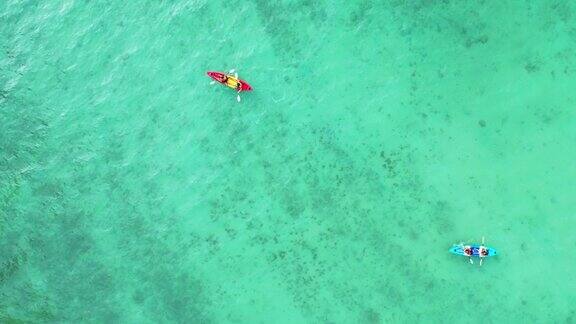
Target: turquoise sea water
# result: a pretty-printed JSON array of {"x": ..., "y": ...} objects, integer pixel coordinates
[{"x": 379, "y": 133}]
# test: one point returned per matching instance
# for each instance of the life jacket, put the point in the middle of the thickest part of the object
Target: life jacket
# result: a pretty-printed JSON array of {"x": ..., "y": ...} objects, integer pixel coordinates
[{"x": 232, "y": 82}]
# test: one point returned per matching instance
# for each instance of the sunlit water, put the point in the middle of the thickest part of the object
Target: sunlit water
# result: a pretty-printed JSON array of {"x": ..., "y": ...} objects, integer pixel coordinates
[{"x": 376, "y": 137}]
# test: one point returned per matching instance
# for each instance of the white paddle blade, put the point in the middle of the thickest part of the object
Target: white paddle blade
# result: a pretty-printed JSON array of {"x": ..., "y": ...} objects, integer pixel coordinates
[
  {"x": 238, "y": 98},
  {"x": 232, "y": 71},
  {"x": 236, "y": 75},
  {"x": 481, "y": 261},
  {"x": 471, "y": 262},
  {"x": 212, "y": 82}
]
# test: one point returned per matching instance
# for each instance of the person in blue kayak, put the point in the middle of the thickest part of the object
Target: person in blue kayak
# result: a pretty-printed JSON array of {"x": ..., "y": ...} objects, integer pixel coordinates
[
  {"x": 468, "y": 251},
  {"x": 482, "y": 251}
]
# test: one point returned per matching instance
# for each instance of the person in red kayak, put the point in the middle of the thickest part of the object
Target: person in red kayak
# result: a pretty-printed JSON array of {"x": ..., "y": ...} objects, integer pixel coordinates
[{"x": 223, "y": 78}]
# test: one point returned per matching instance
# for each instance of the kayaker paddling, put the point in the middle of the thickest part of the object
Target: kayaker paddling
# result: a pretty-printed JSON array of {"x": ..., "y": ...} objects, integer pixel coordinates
[
  {"x": 482, "y": 251},
  {"x": 468, "y": 251},
  {"x": 473, "y": 250},
  {"x": 230, "y": 80}
]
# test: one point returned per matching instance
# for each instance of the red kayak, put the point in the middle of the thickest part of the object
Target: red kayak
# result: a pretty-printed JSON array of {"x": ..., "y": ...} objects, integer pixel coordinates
[{"x": 230, "y": 81}]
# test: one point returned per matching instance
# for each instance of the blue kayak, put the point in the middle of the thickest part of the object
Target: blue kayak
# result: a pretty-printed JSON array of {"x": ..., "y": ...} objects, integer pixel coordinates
[{"x": 458, "y": 249}]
